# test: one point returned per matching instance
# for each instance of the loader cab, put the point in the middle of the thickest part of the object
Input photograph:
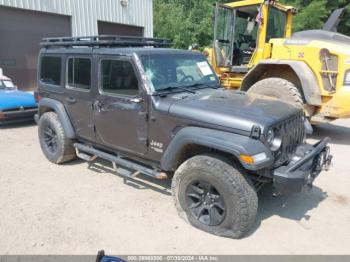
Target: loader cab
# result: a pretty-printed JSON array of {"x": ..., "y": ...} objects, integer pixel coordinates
[{"x": 243, "y": 30}]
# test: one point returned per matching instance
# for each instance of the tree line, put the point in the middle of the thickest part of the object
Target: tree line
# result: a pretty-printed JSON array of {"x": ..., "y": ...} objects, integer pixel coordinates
[{"x": 186, "y": 22}]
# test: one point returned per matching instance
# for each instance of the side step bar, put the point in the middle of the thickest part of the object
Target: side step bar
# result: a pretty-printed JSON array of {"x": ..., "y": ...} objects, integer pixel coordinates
[{"x": 89, "y": 154}]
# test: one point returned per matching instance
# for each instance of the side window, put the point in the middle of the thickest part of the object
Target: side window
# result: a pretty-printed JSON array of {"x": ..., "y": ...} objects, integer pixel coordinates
[
  {"x": 51, "y": 70},
  {"x": 79, "y": 73},
  {"x": 118, "y": 77},
  {"x": 276, "y": 25}
]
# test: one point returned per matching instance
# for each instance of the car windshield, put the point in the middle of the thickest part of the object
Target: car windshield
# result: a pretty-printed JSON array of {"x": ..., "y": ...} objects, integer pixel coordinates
[
  {"x": 172, "y": 71},
  {"x": 6, "y": 84}
]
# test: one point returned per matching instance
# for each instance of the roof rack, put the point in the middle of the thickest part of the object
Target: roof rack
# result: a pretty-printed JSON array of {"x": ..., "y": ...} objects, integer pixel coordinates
[{"x": 105, "y": 41}]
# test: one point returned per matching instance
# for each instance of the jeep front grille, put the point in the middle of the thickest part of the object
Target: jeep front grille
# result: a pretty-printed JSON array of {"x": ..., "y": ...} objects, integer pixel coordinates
[{"x": 292, "y": 132}]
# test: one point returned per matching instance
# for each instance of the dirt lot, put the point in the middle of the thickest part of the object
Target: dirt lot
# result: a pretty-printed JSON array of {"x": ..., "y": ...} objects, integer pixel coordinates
[{"x": 79, "y": 209}]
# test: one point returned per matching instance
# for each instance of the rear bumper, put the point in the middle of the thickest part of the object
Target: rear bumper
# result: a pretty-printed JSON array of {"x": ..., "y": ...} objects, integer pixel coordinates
[
  {"x": 17, "y": 116},
  {"x": 36, "y": 118},
  {"x": 308, "y": 162}
]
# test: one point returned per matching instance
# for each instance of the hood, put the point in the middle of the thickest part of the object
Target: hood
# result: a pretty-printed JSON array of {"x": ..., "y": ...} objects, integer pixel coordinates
[
  {"x": 14, "y": 98},
  {"x": 232, "y": 109},
  {"x": 322, "y": 35}
]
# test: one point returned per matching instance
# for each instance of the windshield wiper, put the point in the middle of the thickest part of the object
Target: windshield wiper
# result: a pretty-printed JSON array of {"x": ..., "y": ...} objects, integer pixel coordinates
[
  {"x": 172, "y": 88},
  {"x": 187, "y": 88},
  {"x": 204, "y": 86}
]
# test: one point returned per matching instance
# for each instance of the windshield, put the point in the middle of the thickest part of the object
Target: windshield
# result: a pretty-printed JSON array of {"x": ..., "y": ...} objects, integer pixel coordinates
[
  {"x": 8, "y": 84},
  {"x": 177, "y": 70}
]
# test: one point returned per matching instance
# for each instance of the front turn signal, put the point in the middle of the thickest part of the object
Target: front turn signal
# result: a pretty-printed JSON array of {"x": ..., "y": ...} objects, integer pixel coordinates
[
  {"x": 256, "y": 159},
  {"x": 247, "y": 159}
]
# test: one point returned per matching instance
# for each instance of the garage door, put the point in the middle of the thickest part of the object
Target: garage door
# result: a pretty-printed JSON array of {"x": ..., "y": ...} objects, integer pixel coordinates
[
  {"x": 105, "y": 28},
  {"x": 20, "y": 35}
]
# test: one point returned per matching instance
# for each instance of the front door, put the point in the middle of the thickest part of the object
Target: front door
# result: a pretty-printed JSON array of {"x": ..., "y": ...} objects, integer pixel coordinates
[
  {"x": 78, "y": 95},
  {"x": 121, "y": 107},
  {"x": 235, "y": 34},
  {"x": 224, "y": 35}
]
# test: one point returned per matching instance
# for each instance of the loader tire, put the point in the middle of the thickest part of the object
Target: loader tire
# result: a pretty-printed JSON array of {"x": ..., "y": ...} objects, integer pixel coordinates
[{"x": 279, "y": 88}]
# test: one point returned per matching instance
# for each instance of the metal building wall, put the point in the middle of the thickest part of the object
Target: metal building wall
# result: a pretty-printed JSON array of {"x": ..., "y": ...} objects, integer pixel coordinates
[{"x": 86, "y": 13}]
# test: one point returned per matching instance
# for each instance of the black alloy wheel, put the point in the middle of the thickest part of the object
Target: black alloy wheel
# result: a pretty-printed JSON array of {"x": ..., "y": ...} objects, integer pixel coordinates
[
  {"x": 205, "y": 203},
  {"x": 51, "y": 139}
]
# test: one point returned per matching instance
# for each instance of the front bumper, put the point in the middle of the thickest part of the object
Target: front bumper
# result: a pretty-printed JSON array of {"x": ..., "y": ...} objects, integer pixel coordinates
[
  {"x": 307, "y": 163},
  {"x": 17, "y": 116}
]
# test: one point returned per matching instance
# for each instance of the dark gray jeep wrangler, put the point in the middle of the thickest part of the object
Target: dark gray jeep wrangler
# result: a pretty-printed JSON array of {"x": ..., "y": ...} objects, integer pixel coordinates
[{"x": 162, "y": 113}]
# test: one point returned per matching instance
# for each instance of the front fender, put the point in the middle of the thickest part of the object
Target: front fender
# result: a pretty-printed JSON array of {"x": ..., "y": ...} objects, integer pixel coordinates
[
  {"x": 233, "y": 144},
  {"x": 307, "y": 78},
  {"x": 47, "y": 104}
]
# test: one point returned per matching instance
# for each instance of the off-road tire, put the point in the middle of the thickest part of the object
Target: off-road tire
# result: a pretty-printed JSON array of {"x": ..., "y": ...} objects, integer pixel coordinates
[
  {"x": 279, "y": 88},
  {"x": 64, "y": 151},
  {"x": 240, "y": 197}
]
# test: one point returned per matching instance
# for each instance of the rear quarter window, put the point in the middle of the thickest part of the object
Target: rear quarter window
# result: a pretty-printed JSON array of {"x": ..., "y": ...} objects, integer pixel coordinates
[
  {"x": 51, "y": 69},
  {"x": 79, "y": 73}
]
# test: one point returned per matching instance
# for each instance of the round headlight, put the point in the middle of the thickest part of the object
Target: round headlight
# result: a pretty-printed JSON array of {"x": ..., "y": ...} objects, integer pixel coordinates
[
  {"x": 274, "y": 140},
  {"x": 270, "y": 136}
]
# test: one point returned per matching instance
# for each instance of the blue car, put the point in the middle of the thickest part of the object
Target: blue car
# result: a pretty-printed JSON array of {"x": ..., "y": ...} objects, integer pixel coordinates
[
  {"x": 15, "y": 105},
  {"x": 101, "y": 257}
]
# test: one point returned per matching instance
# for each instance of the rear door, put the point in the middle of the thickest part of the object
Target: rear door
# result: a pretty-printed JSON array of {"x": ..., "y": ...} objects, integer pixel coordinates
[
  {"x": 121, "y": 107},
  {"x": 79, "y": 97}
]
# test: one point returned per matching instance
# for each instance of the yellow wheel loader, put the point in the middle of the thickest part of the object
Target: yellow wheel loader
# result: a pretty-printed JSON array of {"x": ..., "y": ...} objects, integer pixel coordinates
[{"x": 254, "y": 50}]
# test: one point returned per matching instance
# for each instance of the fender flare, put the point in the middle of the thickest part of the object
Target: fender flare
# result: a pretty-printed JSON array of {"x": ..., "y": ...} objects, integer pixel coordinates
[
  {"x": 219, "y": 140},
  {"x": 59, "y": 109},
  {"x": 306, "y": 76}
]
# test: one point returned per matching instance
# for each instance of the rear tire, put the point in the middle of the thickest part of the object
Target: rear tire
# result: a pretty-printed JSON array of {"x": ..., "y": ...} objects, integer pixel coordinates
[
  {"x": 279, "y": 88},
  {"x": 214, "y": 196},
  {"x": 56, "y": 146}
]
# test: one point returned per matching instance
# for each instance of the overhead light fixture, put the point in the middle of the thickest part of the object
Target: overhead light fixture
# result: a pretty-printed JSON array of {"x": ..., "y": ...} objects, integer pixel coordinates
[{"x": 124, "y": 2}]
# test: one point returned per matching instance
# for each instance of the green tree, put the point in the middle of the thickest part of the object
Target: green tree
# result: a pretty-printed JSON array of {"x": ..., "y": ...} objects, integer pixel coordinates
[
  {"x": 344, "y": 26},
  {"x": 312, "y": 14},
  {"x": 186, "y": 22}
]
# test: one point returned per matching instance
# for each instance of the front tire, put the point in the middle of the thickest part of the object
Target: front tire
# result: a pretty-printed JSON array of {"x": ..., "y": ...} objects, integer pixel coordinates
[
  {"x": 56, "y": 146},
  {"x": 214, "y": 196}
]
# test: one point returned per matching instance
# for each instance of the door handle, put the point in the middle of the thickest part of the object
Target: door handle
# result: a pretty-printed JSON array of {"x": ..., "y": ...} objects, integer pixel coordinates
[
  {"x": 71, "y": 100},
  {"x": 100, "y": 107},
  {"x": 136, "y": 100}
]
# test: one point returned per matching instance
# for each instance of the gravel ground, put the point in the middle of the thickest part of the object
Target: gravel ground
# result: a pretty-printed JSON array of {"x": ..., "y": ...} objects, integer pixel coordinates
[{"x": 80, "y": 209}]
